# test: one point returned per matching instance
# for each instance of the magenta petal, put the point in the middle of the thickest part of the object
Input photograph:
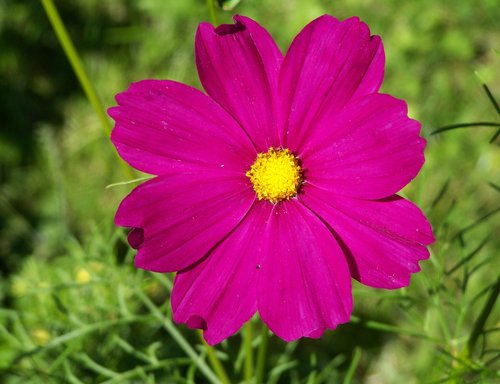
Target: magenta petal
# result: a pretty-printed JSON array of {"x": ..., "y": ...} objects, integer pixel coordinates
[
  {"x": 182, "y": 217},
  {"x": 305, "y": 284},
  {"x": 238, "y": 66},
  {"x": 166, "y": 127},
  {"x": 370, "y": 150},
  {"x": 218, "y": 294},
  {"x": 383, "y": 240},
  {"x": 328, "y": 64}
]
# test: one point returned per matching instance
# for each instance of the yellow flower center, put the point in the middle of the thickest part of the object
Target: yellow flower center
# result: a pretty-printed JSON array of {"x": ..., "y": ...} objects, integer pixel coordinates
[{"x": 275, "y": 175}]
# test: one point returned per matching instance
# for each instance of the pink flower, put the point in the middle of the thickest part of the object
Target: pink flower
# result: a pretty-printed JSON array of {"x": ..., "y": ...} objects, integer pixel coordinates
[{"x": 277, "y": 187}]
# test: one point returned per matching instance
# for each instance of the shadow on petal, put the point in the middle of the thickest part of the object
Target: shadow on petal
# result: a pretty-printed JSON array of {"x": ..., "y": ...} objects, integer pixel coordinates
[
  {"x": 229, "y": 29},
  {"x": 136, "y": 237},
  {"x": 196, "y": 322}
]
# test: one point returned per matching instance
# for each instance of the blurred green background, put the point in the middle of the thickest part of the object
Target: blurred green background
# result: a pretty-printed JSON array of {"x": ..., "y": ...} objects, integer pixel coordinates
[{"x": 75, "y": 310}]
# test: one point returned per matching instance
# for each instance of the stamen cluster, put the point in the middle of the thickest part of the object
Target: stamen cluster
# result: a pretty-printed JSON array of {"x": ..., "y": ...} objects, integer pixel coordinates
[{"x": 276, "y": 175}]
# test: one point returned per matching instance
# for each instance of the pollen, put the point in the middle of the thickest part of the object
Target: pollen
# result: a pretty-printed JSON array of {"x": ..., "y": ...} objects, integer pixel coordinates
[{"x": 276, "y": 175}]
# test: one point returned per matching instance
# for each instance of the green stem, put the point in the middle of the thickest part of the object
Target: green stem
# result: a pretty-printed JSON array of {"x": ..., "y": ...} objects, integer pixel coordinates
[
  {"x": 215, "y": 362},
  {"x": 178, "y": 338},
  {"x": 212, "y": 12},
  {"x": 261, "y": 356},
  {"x": 352, "y": 367},
  {"x": 76, "y": 62},
  {"x": 78, "y": 68},
  {"x": 247, "y": 341}
]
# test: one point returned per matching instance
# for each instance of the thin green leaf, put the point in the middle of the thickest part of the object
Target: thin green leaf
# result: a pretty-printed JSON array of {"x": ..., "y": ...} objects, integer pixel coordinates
[
  {"x": 69, "y": 376},
  {"x": 278, "y": 370},
  {"x": 465, "y": 125},
  {"x": 477, "y": 222},
  {"x": 494, "y": 186},
  {"x": 492, "y": 98},
  {"x": 497, "y": 108},
  {"x": 467, "y": 258},
  {"x": 485, "y": 313},
  {"x": 123, "y": 344},
  {"x": 391, "y": 328},
  {"x": 56, "y": 342},
  {"x": 441, "y": 193},
  {"x": 94, "y": 366},
  {"x": 138, "y": 180}
]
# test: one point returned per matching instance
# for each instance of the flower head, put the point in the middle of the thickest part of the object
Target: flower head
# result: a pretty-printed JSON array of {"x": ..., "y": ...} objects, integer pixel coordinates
[{"x": 279, "y": 184}]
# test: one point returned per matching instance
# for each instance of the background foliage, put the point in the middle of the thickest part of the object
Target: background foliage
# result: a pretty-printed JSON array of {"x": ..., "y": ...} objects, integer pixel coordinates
[{"x": 73, "y": 307}]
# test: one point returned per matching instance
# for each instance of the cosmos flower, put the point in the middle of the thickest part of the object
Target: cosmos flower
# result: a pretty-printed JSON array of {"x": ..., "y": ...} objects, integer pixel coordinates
[{"x": 279, "y": 184}]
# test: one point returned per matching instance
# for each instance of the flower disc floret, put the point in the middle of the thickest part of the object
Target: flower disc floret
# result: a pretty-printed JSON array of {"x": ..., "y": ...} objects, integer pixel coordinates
[{"x": 276, "y": 175}]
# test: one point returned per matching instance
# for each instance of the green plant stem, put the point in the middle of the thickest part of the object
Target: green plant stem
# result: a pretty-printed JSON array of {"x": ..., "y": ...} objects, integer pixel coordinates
[
  {"x": 76, "y": 63},
  {"x": 214, "y": 361},
  {"x": 352, "y": 367},
  {"x": 247, "y": 341},
  {"x": 178, "y": 338},
  {"x": 212, "y": 12},
  {"x": 481, "y": 320},
  {"x": 82, "y": 331},
  {"x": 261, "y": 355},
  {"x": 78, "y": 68}
]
